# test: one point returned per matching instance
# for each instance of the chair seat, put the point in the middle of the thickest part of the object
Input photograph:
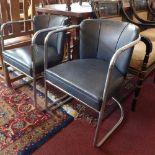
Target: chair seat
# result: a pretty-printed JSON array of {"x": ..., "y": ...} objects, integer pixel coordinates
[
  {"x": 21, "y": 58},
  {"x": 89, "y": 86}
]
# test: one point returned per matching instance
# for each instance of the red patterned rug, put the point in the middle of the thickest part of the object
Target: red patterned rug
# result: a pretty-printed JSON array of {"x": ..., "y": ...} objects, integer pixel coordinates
[{"x": 23, "y": 128}]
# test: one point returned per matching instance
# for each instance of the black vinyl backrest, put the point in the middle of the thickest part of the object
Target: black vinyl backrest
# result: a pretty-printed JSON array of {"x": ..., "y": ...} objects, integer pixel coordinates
[
  {"x": 47, "y": 21},
  {"x": 100, "y": 39}
]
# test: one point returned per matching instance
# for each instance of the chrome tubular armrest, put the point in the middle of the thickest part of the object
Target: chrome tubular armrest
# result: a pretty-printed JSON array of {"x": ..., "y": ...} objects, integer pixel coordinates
[
  {"x": 35, "y": 36},
  {"x": 48, "y": 36},
  {"x": 112, "y": 64},
  {"x": 9, "y": 23},
  {"x": 42, "y": 31},
  {"x": 14, "y": 22}
]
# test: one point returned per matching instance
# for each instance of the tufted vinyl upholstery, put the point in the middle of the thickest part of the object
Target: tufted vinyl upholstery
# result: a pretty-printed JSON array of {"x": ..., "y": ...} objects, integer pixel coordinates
[
  {"x": 21, "y": 57},
  {"x": 85, "y": 78}
]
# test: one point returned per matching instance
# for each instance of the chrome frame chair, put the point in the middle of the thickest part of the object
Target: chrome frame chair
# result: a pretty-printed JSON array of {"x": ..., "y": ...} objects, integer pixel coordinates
[
  {"x": 35, "y": 37},
  {"x": 112, "y": 63}
]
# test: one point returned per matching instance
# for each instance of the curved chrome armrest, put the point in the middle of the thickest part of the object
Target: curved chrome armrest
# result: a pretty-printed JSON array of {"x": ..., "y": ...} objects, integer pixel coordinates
[
  {"x": 65, "y": 28},
  {"x": 35, "y": 36},
  {"x": 37, "y": 33},
  {"x": 14, "y": 22},
  {"x": 112, "y": 64}
]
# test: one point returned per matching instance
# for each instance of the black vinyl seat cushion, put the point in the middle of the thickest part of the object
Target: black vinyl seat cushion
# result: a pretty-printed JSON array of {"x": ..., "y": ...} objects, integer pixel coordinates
[
  {"x": 21, "y": 58},
  {"x": 89, "y": 86}
]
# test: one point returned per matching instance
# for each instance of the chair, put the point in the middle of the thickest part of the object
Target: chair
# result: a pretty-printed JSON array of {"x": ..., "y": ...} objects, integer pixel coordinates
[
  {"x": 139, "y": 55},
  {"x": 22, "y": 32},
  {"x": 105, "y": 51},
  {"x": 29, "y": 60}
]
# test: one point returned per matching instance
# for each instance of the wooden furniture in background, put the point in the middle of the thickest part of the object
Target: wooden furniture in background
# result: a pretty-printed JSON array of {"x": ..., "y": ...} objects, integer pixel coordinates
[{"x": 76, "y": 15}]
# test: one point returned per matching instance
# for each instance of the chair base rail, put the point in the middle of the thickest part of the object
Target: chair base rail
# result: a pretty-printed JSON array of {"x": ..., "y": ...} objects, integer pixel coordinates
[
  {"x": 58, "y": 103},
  {"x": 109, "y": 133}
]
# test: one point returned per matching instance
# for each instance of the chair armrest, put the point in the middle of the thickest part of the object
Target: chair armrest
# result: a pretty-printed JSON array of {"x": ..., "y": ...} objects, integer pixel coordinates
[
  {"x": 36, "y": 35},
  {"x": 4, "y": 25},
  {"x": 112, "y": 64},
  {"x": 14, "y": 22},
  {"x": 149, "y": 48},
  {"x": 48, "y": 36},
  {"x": 39, "y": 32},
  {"x": 142, "y": 71}
]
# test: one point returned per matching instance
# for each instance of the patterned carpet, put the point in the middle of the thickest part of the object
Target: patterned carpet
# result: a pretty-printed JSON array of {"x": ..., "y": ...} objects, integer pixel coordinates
[{"x": 23, "y": 128}]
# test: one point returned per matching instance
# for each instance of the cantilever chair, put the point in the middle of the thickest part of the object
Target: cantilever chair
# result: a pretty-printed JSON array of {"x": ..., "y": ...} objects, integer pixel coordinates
[
  {"x": 105, "y": 52},
  {"x": 29, "y": 60}
]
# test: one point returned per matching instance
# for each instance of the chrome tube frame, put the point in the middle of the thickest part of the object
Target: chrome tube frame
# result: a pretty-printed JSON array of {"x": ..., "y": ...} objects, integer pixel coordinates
[
  {"x": 33, "y": 51},
  {"x": 65, "y": 28},
  {"x": 108, "y": 78},
  {"x": 14, "y": 22},
  {"x": 105, "y": 93},
  {"x": 2, "y": 36}
]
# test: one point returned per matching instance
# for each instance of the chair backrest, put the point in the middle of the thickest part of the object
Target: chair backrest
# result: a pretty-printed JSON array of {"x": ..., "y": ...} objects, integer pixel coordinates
[
  {"x": 46, "y": 21},
  {"x": 101, "y": 38}
]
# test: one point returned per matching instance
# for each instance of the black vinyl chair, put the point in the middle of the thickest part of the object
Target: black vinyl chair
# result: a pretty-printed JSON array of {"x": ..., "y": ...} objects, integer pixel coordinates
[
  {"x": 105, "y": 52},
  {"x": 29, "y": 60}
]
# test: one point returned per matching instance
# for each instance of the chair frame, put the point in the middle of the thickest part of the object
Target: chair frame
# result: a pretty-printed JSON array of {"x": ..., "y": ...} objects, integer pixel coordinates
[
  {"x": 111, "y": 65},
  {"x": 11, "y": 12},
  {"x": 33, "y": 43}
]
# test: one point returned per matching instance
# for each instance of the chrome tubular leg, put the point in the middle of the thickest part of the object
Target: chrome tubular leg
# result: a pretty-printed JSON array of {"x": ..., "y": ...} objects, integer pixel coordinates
[
  {"x": 97, "y": 129},
  {"x": 58, "y": 100},
  {"x": 112, "y": 130},
  {"x": 60, "y": 103}
]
